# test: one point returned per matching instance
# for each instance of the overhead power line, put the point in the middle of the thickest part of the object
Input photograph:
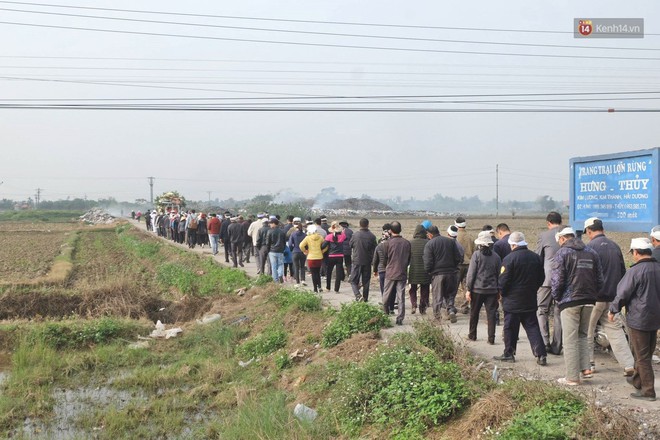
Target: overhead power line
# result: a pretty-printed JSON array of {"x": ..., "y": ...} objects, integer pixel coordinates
[
  {"x": 331, "y": 34},
  {"x": 329, "y": 45},
  {"x": 288, "y": 20},
  {"x": 325, "y": 109}
]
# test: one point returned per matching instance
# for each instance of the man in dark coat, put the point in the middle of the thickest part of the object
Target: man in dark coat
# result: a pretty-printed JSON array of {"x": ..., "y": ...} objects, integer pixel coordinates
[
  {"x": 224, "y": 235},
  {"x": 441, "y": 259},
  {"x": 362, "y": 245},
  {"x": 502, "y": 246},
  {"x": 398, "y": 258},
  {"x": 611, "y": 259},
  {"x": 577, "y": 279},
  {"x": 638, "y": 292},
  {"x": 235, "y": 231},
  {"x": 418, "y": 277},
  {"x": 520, "y": 277}
]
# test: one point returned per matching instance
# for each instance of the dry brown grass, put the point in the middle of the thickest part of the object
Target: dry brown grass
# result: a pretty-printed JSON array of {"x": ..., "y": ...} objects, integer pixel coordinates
[{"x": 491, "y": 410}]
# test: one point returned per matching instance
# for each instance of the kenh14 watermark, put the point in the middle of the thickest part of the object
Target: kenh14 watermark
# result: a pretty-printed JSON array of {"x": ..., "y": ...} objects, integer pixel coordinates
[{"x": 608, "y": 27}]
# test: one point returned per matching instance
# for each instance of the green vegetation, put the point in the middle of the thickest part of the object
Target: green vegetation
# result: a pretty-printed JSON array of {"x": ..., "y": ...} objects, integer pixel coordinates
[
  {"x": 40, "y": 216},
  {"x": 401, "y": 387},
  {"x": 356, "y": 317},
  {"x": 80, "y": 334},
  {"x": 550, "y": 421},
  {"x": 262, "y": 280},
  {"x": 205, "y": 279},
  {"x": 304, "y": 301},
  {"x": 272, "y": 338}
]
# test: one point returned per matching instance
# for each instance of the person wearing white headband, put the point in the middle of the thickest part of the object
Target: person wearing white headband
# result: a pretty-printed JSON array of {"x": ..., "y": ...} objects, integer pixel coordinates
[
  {"x": 611, "y": 258},
  {"x": 638, "y": 292},
  {"x": 521, "y": 274},
  {"x": 577, "y": 280},
  {"x": 655, "y": 241}
]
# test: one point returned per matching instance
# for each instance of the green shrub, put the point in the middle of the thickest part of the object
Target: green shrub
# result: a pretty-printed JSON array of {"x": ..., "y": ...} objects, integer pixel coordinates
[
  {"x": 399, "y": 388},
  {"x": 81, "y": 334},
  {"x": 356, "y": 317},
  {"x": 141, "y": 248},
  {"x": 434, "y": 337},
  {"x": 304, "y": 300},
  {"x": 551, "y": 421},
  {"x": 272, "y": 339},
  {"x": 262, "y": 280},
  {"x": 205, "y": 280},
  {"x": 282, "y": 361},
  {"x": 173, "y": 274}
]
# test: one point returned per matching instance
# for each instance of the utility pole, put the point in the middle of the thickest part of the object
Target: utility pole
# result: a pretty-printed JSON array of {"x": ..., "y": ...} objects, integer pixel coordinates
[
  {"x": 497, "y": 190},
  {"x": 37, "y": 198},
  {"x": 151, "y": 184},
  {"x": 209, "y": 192}
]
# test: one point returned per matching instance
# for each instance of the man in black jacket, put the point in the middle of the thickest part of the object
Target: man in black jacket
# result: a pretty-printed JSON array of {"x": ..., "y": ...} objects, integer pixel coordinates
[
  {"x": 520, "y": 277},
  {"x": 441, "y": 260},
  {"x": 224, "y": 235},
  {"x": 362, "y": 245},
  {"x": 576, "y": 280},
  {"x": 611, "y": 259},
  {"x": 235, "y": 233},
  {"x": 275, "y": 242}
]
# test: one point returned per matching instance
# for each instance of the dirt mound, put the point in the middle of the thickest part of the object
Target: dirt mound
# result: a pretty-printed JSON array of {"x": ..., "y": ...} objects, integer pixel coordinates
[
  {"x": 355, "y": 204},
  {"x": 355, "y": 348}
]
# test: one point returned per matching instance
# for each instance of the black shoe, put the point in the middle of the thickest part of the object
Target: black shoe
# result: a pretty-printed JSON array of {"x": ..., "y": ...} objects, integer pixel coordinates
[
  {"x": 452, "y": 318},
  {"x": 542, "y": 361},
  {"x": 505, "y": 358},
  {"x": 399, "y": 322},
  {"x": 640, "y": 396},
  {"x": 491, "y": 342},
  {"x": 472, "y": 338},
  {"x": 548, "y": 348}
]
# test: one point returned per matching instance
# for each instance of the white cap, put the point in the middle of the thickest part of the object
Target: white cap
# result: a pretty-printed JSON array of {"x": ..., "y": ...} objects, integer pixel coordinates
[
  {"x": 566, "y": 231},
  {"x": 311, "y": 229},
  {"x": 655, "y": 232},
  {"x": 641, "y": 243},
  {"x": 592, "y": 221},
  {"x": 296, "y": 219},
  {"x": 451, "y": 232},
  {"x": 517, "y": 238},
  {"x": 484, "y": 238}
]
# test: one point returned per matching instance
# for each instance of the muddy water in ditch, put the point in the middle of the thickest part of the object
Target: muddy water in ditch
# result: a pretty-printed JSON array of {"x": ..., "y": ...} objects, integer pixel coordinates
[{"x": 5, "y": 366}]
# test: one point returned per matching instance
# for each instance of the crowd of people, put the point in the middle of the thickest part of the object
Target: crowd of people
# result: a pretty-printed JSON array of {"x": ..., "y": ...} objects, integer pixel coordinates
[{"x": 581, "y": 286}]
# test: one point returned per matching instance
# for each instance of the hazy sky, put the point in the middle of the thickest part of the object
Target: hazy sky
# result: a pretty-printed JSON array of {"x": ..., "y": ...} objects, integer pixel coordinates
[{"x": 100, "y": 153}]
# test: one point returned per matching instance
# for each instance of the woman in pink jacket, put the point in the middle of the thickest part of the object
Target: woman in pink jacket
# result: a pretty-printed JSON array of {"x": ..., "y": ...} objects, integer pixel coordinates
[{"x": 335, "y": 238}]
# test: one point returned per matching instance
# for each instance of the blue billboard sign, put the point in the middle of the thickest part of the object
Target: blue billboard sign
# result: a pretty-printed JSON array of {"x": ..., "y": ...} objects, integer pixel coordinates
[{"x": 621, "y": 189}]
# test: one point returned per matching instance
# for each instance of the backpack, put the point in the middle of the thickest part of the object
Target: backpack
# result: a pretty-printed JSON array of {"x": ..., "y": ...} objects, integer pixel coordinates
[{"x": 193, "y": 223}]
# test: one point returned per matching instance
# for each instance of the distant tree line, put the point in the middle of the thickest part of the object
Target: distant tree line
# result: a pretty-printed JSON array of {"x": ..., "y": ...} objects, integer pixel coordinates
[{"x": 290, "y": 203}]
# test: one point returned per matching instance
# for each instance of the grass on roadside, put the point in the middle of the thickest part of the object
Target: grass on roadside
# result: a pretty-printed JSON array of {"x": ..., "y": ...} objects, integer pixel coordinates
[{"x": 355, "y": 317}]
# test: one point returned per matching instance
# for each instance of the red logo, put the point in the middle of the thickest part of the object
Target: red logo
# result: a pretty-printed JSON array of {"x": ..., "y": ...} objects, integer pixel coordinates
[{"x": 585, "y": 27}]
